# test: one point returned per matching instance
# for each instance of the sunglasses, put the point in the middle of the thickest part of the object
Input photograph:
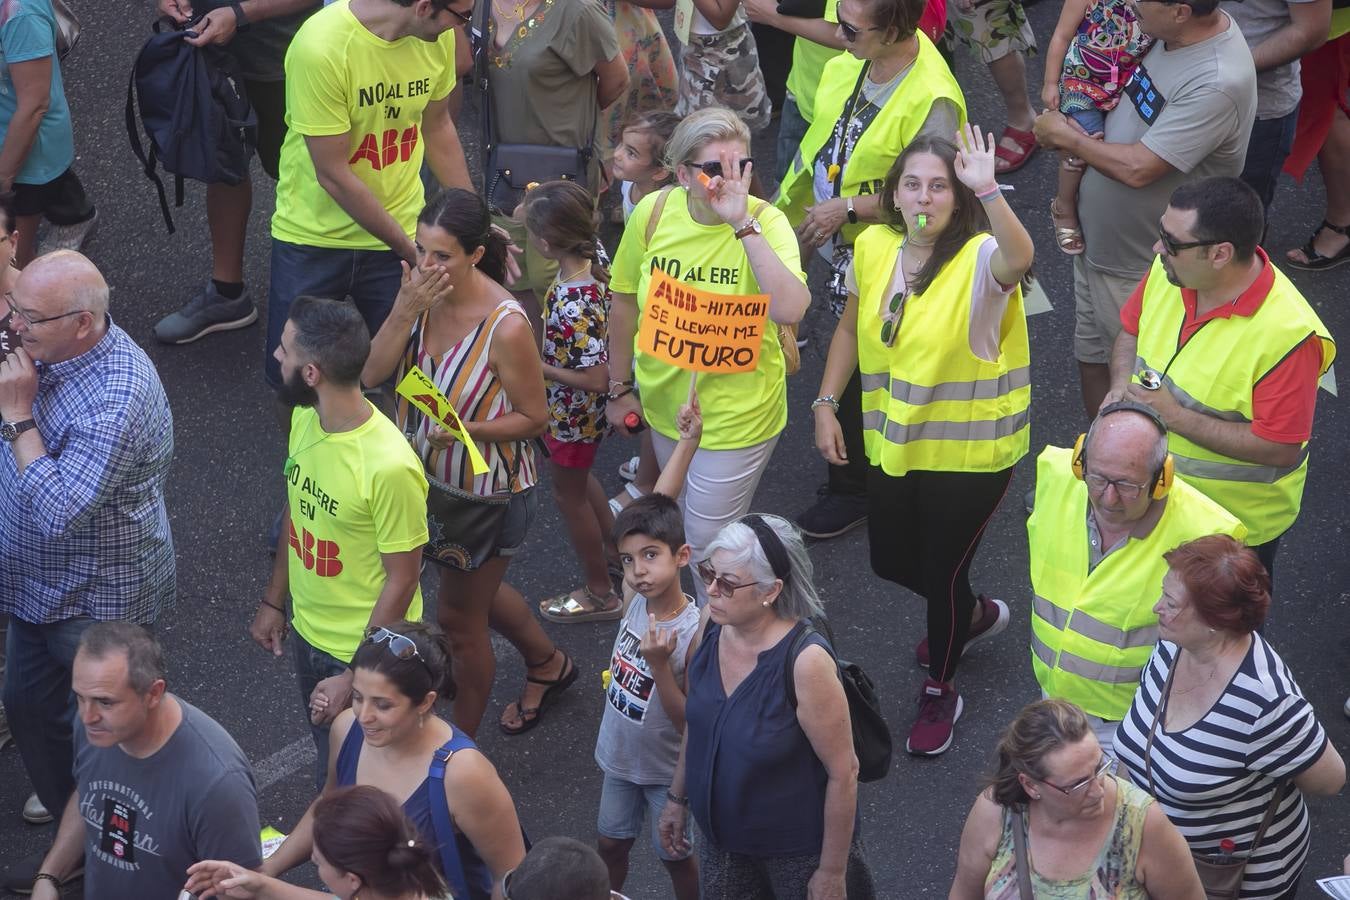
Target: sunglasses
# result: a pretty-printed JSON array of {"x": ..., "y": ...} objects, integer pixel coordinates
[
  {"x": 725, "y": 586},
  {"x": 1173, "y": 246},
  {"x": 399, "y": 645},
  {"x": 466, "y": 19},
  {"x": 713, "y": 168},
  {"x": 1108, "y": 764},
  {"x": 852, "y": 32},
  {"x": 890, "y": 320},
  {"x": 27, "y": 319}
]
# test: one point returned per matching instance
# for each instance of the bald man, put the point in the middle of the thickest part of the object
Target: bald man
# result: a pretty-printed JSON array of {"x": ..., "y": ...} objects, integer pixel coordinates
[
  {"x": 1105, "y": 514},
  {"x": 86, "y": 439}
]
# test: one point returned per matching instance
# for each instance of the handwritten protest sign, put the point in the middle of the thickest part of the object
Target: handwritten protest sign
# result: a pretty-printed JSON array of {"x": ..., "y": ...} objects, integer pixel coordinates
[
  {"x": 699, "y": 330},
  {"x": 422, "y": 393}
]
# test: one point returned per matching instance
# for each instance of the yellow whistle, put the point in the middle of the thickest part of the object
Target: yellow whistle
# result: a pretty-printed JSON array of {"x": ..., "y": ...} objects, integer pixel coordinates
[
  {"x": 833, "y": 171},
  {"x": 605, "y": 679}
]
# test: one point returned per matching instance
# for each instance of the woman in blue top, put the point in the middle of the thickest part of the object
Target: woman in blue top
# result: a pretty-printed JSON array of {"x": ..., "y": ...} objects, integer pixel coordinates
[
  {"x": 773, "y": 788},
  {"x": 399, "y": 673}
]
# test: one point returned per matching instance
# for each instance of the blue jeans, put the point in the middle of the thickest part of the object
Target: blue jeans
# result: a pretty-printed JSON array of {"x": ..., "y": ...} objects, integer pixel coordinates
[
  {"x": 369, "y": 278},
  {"x": 40, "y": 705},
  {"x": 312, "y": 666},
  {"x": 791, "y": 129},
  {"x": 1270, "y": 143}
]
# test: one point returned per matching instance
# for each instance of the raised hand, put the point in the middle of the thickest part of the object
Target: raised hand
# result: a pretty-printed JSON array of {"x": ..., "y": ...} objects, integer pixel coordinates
[
  {"x": 975, "y": 159},
  {"x": 729, "y": 193},
  {"x": 421, "y": 289},
  {"x": 689, "y": 420}
]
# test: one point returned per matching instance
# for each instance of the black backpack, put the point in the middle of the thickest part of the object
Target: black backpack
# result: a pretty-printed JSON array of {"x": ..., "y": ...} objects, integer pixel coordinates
[
  {"x": 871, "y": 734},
  {"x": 196, "y": 116}
]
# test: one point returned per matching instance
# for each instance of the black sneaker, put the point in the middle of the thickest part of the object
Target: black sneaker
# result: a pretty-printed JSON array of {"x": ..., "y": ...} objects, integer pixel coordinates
[{"x": 833, "y": 515}]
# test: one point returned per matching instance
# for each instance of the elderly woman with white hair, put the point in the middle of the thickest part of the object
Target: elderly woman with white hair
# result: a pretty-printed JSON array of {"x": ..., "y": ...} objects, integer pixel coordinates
[
  {"x": 707, "y": 231},
  {"x": 772, "y": 785}
]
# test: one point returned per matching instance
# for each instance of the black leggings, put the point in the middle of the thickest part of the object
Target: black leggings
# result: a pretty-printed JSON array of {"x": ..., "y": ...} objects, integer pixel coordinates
[{"x": 923, "y": 529}]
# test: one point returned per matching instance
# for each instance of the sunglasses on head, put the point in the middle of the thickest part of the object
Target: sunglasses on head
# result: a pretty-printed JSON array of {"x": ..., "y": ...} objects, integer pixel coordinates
[
  {"x": 1173, "y": 246},
  {"x": 713, "y": 168},
  {"x": 852, "y": 32},
  {"x": 399, "y": 645}
]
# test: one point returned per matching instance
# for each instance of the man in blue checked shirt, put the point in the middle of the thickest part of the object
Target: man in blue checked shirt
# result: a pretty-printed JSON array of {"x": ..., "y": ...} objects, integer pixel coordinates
[{"x": 86, "y": 439}]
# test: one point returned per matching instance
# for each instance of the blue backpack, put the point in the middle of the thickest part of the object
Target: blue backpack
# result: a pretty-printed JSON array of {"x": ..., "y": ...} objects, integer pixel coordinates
[{"x": 196, "y": 116}]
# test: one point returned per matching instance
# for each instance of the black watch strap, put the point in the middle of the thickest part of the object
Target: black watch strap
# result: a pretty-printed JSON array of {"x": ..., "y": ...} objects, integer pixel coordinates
[
  {"x": 241, "y": 22},
  {"x": 10, "y": 431}
]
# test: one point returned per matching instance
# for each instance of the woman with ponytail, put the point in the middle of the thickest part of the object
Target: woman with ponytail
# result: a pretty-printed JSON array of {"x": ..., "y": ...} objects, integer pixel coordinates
[
  {"x": 365, "y": 848},
  {"x": 560, "y": 220},
  {"x": 453, "y": 320}
]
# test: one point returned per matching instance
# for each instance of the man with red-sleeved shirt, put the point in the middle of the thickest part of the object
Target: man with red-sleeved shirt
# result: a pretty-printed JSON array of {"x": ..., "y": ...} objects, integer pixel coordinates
[{"x": 1229, "y": 353}]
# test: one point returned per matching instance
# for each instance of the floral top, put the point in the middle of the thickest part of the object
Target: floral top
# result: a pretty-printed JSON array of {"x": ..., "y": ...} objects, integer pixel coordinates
[
  {"x": 576, "y": 337},
  {"x": 1102, "y": 56}
]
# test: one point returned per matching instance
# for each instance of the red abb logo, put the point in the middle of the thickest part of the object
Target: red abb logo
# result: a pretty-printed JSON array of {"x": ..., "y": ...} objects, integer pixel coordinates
[
  {"x": 391, "y": 148},
  {"x": 319, "y": 556}
]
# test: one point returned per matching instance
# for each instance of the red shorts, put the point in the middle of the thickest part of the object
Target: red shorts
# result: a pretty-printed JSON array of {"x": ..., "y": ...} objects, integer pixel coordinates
[{"x": 571, "y": 455}]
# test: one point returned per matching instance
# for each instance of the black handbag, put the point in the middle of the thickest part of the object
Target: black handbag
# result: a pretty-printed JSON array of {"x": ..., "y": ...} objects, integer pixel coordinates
[
  {"x": 462, "y": 528},
  {"x": 871, "y": 734},
  {"x": 802, "y": 9},
  {"x": 512, "y": 168}
]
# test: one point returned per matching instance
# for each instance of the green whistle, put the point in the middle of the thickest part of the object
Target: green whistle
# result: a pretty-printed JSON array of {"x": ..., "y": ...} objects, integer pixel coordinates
[{"x": 921, "y": 220}]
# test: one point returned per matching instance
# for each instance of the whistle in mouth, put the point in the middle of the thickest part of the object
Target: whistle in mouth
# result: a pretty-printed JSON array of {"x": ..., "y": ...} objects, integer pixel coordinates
[{"x": 921, "y": 220}]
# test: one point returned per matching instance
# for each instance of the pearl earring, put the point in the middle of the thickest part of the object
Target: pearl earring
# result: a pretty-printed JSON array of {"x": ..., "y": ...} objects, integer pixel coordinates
[{"x": 765, "y": 603}]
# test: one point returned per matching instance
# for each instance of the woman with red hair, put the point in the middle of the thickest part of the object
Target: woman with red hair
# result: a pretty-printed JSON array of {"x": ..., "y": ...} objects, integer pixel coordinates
[{"x": 1219, "y": 731}]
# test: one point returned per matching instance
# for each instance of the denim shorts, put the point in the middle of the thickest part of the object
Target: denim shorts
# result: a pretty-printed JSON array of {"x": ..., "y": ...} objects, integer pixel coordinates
[
  {"x": 1091, "y": 120},
  {"x": 516, "y": 524},
  {"x": 621, "y": 810}
]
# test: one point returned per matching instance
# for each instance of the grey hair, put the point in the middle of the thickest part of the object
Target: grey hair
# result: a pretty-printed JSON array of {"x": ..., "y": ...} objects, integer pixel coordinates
[
  {"x": 741, "y": 546},
  {"x": 701, "y": 128},
  {"x": 145, "y": 658},
  {"x": 1156, "y": 458}
]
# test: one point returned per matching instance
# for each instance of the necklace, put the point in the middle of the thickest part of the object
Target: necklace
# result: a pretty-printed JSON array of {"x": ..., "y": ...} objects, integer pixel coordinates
[
  {"x": 517, "y": 13},
  {"x": 290, "y": 464},
  {"x": 563, "y": 279}
]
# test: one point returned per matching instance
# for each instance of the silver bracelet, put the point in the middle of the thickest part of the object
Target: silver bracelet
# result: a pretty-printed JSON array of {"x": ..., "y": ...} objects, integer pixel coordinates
[{"x": 827, "y": 400}]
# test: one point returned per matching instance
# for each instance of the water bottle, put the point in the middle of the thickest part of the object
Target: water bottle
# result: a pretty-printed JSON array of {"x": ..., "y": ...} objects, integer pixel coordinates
[{"x": 1227, "y": 852}]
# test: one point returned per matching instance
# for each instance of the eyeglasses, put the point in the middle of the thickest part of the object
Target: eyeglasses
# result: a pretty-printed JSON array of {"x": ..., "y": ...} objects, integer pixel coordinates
[
  {"x": 890, "y": 320},
  {"x": 1108, "y": 764},
  {"x": 713, "y": 168},
  {"x": 725, "y": 585},
  {"x": 1127, "y": 490},
  {"x": 852, "y": 32},
  {"x": 28, "y": 319},
  {"x": 1173, "y": 246},
  {"x": 399, "y": 645},
  {"x": 466, "y": 19}
]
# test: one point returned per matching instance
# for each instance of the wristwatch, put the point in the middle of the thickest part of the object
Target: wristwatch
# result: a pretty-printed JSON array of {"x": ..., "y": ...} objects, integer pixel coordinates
[
  {"x": 852, "y": 214},
  {"x": 10, "y": 431},
  {"x": 241, "y": 23},
  {"x": 750, "y": 227}
]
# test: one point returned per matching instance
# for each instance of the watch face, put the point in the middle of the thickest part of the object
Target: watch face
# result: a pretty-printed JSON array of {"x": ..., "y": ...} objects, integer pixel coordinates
[{"x": 8, "y": 432}]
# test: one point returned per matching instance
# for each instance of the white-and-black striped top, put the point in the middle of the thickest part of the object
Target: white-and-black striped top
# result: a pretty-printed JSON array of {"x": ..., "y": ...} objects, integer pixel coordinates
[{"x": 1215, "y": 779}]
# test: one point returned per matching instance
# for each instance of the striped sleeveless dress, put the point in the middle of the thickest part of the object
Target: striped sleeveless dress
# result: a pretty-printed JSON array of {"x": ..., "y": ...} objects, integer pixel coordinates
[{"x": 463, "y": 375}]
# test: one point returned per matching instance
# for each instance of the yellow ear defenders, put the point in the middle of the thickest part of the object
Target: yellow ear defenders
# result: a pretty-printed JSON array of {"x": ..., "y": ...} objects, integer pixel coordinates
[{"x": 1162, "y": 479}]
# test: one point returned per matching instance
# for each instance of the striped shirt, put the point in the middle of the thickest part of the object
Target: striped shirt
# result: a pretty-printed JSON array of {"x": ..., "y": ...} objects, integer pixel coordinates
[
  {"x": 466, "y": 379},
  {"x": 1216, "y": 778},
  {"x": 83, "y": 529}
]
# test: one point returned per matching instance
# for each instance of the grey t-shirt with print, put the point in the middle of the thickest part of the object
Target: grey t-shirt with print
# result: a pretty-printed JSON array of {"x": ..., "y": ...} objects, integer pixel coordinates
[
  {"x": 147, "y": 820},
  {"x": 1193, "y": 106},
  {"x": 1278, "y": 90}
]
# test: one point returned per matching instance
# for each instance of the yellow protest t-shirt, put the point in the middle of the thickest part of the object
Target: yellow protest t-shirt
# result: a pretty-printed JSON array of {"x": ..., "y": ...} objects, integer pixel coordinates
[
  {"x": 739, "y": 410},
  {"x": 353, "y": 496},
  {"x": 342, "y": 79}
]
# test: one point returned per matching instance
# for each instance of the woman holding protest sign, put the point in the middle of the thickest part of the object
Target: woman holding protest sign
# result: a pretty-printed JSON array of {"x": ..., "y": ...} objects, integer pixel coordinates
[
  {"x": 723, "y": 268},
  {"x": 935, "y": 323},
  {"x": 453, "y": 321}
]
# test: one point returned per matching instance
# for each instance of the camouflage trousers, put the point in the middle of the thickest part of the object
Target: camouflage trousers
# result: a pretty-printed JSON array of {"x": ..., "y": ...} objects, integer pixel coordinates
[{"x": 722, "y": 69}]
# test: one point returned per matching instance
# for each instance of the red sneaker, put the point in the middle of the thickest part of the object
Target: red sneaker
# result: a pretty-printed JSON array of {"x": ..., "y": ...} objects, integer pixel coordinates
[
  {"x": 939, "y": 708},
  {"x": 994, "y": 618}
]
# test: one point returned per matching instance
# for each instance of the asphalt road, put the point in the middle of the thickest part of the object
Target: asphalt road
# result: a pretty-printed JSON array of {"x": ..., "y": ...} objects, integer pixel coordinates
[{"x": 226, "y": 485}]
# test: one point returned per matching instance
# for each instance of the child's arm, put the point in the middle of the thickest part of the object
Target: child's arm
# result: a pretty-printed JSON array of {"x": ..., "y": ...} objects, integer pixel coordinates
[
  {"x": 657, "y": 646},
  {"x": 690, "y": 423},
  {"x": 719, "y": 13},
  {"x": 587, "y": 346},
  {"x": 1070, "y": 17},
  {"x": 592, "y": 378}
]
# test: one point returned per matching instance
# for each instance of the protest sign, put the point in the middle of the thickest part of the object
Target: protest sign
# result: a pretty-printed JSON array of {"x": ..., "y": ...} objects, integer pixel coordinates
[
  {"x": 422, "y": 393},
  {"x": 699, "y": 330}
]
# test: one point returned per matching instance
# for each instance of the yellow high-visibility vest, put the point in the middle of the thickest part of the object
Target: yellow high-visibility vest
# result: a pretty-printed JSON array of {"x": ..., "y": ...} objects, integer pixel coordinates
[
  {"x": 1215, "y": 373},
  {"x": 1092, "y": 632},
  {"x": 928, "y": 402}
]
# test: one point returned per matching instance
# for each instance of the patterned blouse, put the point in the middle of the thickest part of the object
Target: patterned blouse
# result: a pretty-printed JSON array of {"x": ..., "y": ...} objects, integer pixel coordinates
[
  {"x": 1102, "y": 56},
  {"x": 575, "y": 337}
]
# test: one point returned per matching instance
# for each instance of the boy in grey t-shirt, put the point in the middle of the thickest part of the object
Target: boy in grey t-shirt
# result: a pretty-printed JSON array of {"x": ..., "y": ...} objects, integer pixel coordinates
[
  {"x": 159, "y": 785},
  {"x": 638, "y": 745}
]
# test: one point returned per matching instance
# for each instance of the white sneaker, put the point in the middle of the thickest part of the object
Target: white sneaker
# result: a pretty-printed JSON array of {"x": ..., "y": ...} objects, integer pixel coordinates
[{"x": 34, "y": 813}]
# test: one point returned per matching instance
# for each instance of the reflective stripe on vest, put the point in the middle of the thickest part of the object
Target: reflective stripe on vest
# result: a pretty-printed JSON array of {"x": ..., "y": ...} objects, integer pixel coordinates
[
  {"x": 895, "y": 126},
  {"x": 928, "y": 402},
  {"x": 1093, "y": 632},
  {"x": 1216, "y": 377}
]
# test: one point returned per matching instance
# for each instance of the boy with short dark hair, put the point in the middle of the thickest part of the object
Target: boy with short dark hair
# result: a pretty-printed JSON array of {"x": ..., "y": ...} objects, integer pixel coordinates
[{"x": 640, "y": 732}]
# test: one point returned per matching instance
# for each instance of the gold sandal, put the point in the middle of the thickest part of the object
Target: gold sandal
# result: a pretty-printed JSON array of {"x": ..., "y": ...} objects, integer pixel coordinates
[
  {"x": 1070, "y": 240},
  {"x": 565, "y": 608}
]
